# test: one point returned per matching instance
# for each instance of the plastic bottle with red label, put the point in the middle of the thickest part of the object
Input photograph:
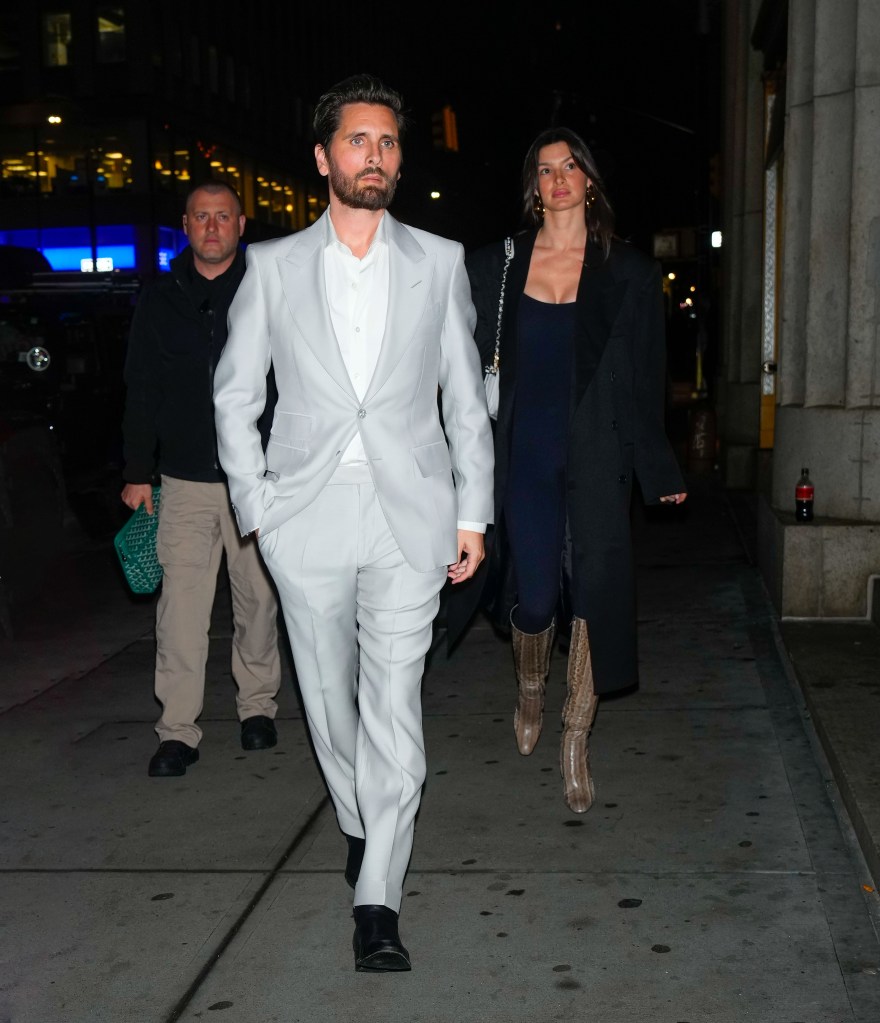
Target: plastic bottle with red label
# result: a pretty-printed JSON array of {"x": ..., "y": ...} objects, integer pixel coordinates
[{"x": 803, "y": 498}]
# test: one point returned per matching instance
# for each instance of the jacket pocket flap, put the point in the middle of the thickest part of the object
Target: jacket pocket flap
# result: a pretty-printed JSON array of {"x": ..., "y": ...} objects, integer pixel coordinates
[
  {"x": 433, "y": 458},
  {"x": 292, "y": 429}
]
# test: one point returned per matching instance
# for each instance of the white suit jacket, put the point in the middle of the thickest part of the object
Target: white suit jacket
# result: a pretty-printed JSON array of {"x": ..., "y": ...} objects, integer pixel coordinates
[{"x": 426, "y": 479}]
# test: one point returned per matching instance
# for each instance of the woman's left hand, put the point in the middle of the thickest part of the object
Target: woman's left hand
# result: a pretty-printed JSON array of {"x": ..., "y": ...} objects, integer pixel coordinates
[{"x": 673, "y": 499}]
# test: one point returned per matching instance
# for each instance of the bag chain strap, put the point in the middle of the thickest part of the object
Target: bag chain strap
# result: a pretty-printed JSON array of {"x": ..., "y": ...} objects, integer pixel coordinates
[{"x": 508, "y": 255}]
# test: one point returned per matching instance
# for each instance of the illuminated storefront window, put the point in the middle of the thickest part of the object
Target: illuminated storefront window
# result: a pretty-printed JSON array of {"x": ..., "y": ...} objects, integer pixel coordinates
[
  {"x": 114, "y": 170},
  {"x": 171, "y": 167},
  {"x": 277, "y": 201},
  {"x": 181, "y": 166},
  {"x": 62, "y": 160},
  {"x": 70, "y": 248},
  {"x": 171, "y": 160},
  {"x": 19, "y": 170},
  {"x": 57, "y": 39},
  {"x": 66, "y": 158},
  {"x": 226, "y": 166}
]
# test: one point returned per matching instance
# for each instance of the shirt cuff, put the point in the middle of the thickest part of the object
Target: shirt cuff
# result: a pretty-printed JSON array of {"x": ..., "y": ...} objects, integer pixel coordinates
[{"x": 474, "y": 527}]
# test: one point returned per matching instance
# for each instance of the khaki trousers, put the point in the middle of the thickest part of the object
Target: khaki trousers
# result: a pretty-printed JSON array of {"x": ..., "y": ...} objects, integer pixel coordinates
[{"x": 196, "y": 525}]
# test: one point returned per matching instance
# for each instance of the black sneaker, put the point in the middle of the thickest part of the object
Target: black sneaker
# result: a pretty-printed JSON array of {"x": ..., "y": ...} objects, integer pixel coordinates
[{"x": 171, "y": 759}]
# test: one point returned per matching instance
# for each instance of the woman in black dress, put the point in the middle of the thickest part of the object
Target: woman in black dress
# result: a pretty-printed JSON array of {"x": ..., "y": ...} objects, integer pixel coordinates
[{"x": 582, "y": 386}]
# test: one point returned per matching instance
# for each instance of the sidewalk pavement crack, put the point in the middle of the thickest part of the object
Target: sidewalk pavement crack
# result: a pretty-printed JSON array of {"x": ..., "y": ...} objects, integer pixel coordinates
[{"x": 255, "y": 900}]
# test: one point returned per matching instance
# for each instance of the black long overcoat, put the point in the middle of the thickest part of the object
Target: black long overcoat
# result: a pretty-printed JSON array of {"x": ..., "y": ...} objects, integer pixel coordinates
[{"x": 616, "y": 431}]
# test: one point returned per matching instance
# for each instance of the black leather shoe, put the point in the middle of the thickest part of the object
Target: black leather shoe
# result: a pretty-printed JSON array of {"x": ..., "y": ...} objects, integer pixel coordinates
[
  {"x": 258, "y": 732},
  {"x": 171, "y": 759},
  {"x": 356, "y": 848},
  {"x": 376, "y": 943}
]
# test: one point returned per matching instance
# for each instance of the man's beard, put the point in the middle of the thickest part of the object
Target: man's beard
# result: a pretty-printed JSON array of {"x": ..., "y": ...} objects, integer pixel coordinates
[{"x": 372, "y": 197}]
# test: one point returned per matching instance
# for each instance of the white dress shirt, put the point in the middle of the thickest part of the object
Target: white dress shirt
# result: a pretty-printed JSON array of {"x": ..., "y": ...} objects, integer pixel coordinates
[{"x": 357, "y": 296}]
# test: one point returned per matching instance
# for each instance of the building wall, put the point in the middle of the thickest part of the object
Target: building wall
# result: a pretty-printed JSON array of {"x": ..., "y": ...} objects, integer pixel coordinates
[
  {"x": 828, "y": 381},
  {"x": 829, "y": 400},
  {"x": 146, "y": 99}
]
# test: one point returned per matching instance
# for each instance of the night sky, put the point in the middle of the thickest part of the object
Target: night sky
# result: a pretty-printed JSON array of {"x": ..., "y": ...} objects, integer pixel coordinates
[{"x": 640, "y": 81}]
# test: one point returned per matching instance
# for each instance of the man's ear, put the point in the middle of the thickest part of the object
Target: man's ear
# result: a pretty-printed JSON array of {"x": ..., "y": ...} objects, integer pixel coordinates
[
  {"x": 183, "y": 221},
  {"x": 321, "y": 161}
]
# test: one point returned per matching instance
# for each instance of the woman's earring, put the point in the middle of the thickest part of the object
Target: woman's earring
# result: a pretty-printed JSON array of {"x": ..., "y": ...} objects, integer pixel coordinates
[
  {"x": 591, "y": 195},
  {"x": 538, "y": 205}
]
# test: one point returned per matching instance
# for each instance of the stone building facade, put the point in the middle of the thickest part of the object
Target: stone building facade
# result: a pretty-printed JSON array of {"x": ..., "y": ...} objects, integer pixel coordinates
[{"x": 799, "y": 381}]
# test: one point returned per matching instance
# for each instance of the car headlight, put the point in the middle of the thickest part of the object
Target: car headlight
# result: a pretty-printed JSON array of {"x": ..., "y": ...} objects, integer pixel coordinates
[{"x": 38, "y": 359}]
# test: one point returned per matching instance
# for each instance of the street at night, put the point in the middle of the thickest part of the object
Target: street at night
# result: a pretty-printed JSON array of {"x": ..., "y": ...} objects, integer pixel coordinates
[
  {"x": 717, "y": 878},
  {"x": 728, "y": 868}
]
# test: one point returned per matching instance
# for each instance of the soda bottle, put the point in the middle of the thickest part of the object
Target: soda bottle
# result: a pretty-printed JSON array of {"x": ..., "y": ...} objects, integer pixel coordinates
[{"x": 803, "y": 498}]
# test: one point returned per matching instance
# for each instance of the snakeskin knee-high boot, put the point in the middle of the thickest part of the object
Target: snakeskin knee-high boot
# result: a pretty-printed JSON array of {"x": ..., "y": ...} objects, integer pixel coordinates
[
  {"x": 531, "y": 656},
  {"x": 577, "y": 719}
]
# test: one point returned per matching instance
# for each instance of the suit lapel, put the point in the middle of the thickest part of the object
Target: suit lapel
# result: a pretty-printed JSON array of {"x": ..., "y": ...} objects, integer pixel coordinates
[
  {"x": 302, "y": 279},
  {"x": 410, "y": 272}
]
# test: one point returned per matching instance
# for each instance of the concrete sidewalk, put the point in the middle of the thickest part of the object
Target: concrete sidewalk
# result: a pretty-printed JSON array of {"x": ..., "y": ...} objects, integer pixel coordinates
[{"x": 716, "y": 879}]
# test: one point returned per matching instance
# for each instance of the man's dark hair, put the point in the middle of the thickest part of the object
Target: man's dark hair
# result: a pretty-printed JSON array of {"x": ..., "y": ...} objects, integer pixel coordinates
[
  {"x": 356, "y": 89},
  {"x": 599, "y": 214},
  {"x": 212, "y": 186}
]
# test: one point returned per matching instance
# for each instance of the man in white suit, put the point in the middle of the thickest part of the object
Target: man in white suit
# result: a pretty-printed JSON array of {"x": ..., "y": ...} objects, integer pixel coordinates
[{"x": 364, "y": 502}]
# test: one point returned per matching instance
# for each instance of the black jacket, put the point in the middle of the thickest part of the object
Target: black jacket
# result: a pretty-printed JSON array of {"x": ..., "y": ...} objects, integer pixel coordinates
[
  {"x": 616, "y": 432},
  {"x": 177, "y": 334}
]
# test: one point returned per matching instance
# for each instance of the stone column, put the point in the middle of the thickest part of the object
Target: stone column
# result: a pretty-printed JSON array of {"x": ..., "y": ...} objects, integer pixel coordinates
[
  {"x": 739, "y": 380},
  {"x": 863, "y": 343},
  {"x": 797, "y": 197},
  {"x": 829, "y": 395},
  {"x": 828, "y": 299}
]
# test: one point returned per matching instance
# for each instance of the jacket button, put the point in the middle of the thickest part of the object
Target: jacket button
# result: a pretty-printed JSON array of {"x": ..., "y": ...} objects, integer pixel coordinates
[
  {"x": 362, "y": 413},
  {"x": 612, "y": 374},
  {"x": 613, "y": 424},
  {"x": 622, "y": 478}
]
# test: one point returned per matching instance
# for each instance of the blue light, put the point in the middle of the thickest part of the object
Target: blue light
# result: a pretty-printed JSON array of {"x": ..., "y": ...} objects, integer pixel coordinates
[
  {"x": 172, "y": 242},
  {"x": 67, "y": 258},
  {"x": 122, "y": 255},
  {"x": 70, "y": 257}
]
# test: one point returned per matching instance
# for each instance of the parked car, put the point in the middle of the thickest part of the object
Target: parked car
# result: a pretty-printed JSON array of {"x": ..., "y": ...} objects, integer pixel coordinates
[{"x": 62, "y": 351}]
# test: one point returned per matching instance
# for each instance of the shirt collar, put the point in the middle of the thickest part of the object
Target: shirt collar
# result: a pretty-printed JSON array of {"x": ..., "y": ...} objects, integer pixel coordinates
[{"x": 332, "y": 240}]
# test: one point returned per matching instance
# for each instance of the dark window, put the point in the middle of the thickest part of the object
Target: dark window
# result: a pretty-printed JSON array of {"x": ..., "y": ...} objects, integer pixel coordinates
[
  {"x": 246, "y": 87},
  {"x": 10, "y": 48},
  {"x": 176, "y": 54},
  {"x": 213, "y": 69},
  {"x": 194, "y": 65},
  {"x": 230, "y": 79}
]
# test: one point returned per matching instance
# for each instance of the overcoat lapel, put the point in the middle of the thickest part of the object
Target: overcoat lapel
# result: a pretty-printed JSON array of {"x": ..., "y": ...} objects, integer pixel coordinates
[
  {"x": 599, "y": 299},
  {"x": 410, "y": 273},
  {"x": 302, "y": 280}
]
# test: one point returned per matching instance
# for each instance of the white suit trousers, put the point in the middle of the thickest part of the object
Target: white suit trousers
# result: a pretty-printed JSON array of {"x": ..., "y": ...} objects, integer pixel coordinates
[{"x": 359, "y": 620}]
